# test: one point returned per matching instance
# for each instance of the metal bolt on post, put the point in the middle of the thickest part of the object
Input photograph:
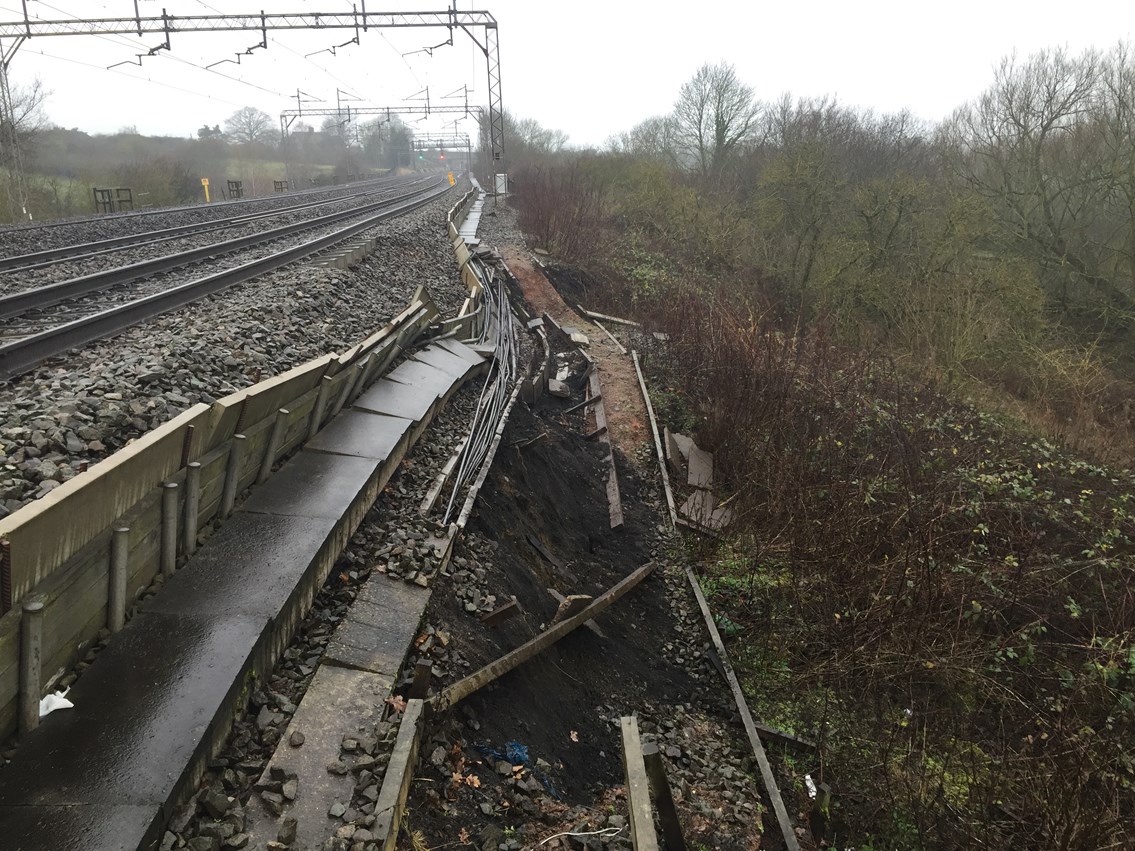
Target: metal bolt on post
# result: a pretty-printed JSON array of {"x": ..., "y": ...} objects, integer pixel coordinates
[{"x": 31, "y": 663}]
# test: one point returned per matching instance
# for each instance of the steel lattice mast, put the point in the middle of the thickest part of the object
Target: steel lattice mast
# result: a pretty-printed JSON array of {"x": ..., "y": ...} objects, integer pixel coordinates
[{"x": 358, "y": 20}]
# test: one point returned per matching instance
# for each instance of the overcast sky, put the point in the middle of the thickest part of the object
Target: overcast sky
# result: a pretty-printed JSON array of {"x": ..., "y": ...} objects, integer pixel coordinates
[{"x": 592, "y": 68}]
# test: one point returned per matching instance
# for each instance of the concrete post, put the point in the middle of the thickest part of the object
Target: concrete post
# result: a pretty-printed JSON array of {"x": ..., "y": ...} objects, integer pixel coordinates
[
  {"x": 31, "y": 663},
  {"x": 320, "y": 405},
  {"x": 116, "y": 593},
  {"x": 663, "y": 798},
  {"x": 643, "y": 837},
  {"x": 192, "y": 505},
  {"x": 274, "y": 441},
  {"x": 169, "y": 529},
  {"x": 232, "y": 474}
]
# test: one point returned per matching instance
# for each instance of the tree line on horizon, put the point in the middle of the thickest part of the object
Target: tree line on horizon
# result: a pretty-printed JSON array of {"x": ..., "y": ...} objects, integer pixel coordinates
[
  {"x": 62, "y": 165},
  {"x": 965, "y": 246}
]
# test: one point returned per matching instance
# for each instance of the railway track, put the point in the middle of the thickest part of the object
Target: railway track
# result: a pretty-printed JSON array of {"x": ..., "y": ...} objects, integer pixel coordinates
[
  {"x": 51, "y": 257},
  {"x": 35, "y": 235},
  {"x": 46, "y": 321}
]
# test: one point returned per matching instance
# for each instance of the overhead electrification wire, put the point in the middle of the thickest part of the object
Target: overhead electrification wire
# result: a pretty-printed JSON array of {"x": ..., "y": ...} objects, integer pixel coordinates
[
  {"x": 119, "y": 40},
  {"x": 280, "y": 44},
  {"x": 130, "y": 76}
]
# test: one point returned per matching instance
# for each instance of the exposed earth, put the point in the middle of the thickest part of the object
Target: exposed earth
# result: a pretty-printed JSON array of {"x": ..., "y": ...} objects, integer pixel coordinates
[{"x": 535, "y": 758}]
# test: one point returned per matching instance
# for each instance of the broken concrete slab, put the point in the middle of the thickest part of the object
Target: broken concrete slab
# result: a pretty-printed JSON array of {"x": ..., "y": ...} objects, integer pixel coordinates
[
  {"x": 701, "y": 468},
  {"x": 674, "y": 459},
  {"x": 591, "y": 625},
  {"x": 702, "y": 510},
  {"x": 377, "y": 644},
  {"x": 439, "y": 358},
  {"x": 339, "y": 702},
  {"x": 396, "y": 400},
  {"x": 699, "y": 507},
  {"x": 571, "y": 605},
  {"x": 399, "y": 774},
  {"x": 363, "y": 435},
  {"x": 474, "y": 356},
  {"x": 396, "y": 595},
  {"x": 678, "y": 445}
]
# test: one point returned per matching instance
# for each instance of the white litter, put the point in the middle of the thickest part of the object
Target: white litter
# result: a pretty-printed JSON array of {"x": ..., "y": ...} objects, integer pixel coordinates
[
  {"x": 811, "y": 785},
  {"x": 57, "y": 700}
]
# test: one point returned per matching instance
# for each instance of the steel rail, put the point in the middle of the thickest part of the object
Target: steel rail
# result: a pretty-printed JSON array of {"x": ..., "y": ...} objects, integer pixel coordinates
[
  {"x": 21, "y": 355},
  {"x": 17, "y": 227},
  {"x": 19, "y": 303},
  {"x": 96, "y": 248}
]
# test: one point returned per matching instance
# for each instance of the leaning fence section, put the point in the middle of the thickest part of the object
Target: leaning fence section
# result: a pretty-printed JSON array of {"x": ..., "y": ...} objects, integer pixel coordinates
[{"x": 94, "y": 544}]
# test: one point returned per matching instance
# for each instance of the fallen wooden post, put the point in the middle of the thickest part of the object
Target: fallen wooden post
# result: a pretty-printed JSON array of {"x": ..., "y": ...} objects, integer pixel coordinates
[
  {"x": 538, "y": 545},
  {"x": 622, "y": 349},
  {"x": 479, "y": 679},
  {"x": 765, "y": 731},
  {"x": 767, "y": 777},
  {"x": 396, "y": 781},
  {"x": 420, "y": 685},
  {"x": 500, "y": 614},
  {"x": 595, "y": 435},
  {"x": 657, "y": 442},
  {"x": 663, "y": 798},
  {"x": 643, "y": 837},
  {"x": 524, "y": 443},
  {"x": 582, "y": 404},
  {"x": 614, "y": 500},
  {"x": 591, "y": 314}
]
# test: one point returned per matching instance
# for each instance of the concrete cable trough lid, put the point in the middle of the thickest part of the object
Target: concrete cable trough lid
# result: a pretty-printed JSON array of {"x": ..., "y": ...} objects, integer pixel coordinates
[{"x": 693, "y": 466}]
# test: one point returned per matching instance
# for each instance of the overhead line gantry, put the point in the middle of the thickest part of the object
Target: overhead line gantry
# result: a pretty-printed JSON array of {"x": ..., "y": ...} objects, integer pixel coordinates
[{"x": 358, "y": 20}]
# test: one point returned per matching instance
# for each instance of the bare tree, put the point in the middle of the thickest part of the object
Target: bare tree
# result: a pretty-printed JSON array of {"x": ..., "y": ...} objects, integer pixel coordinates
[
  {"x": 1116, "y": 108},
  {"x": 28, "y": 120},
  {"x": 1031, "y": 146},
  {"x": 652, "y": 139},
  {"x": 249, "y": 125},
  {"x": 528, "y": 138},
  {"x": 715, "y": 115}
]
